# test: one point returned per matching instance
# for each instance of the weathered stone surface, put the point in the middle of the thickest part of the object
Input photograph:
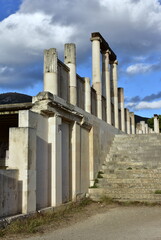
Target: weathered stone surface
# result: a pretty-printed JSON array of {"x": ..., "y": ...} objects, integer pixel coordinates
[{"x": 132, "y": 171}]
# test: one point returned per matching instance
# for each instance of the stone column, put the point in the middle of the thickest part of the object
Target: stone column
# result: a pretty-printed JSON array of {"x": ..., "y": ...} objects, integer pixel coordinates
[
  {"x": 156, "y": 123},
  {"x": 96, "y": 73},
  {"x": 121, "y": 106},
  {"x": 51, "y": 71},
  {"x": 106, "y": 84},
  {"x": 87, "y": 95},
  {"x": 138, "y": 128},
  {"x": 115, "y": 92},
  {"x": 127, "y": 120},
  {"x": 143, "y": 126},
  {"x": 76, "y": 161},
  {"x": 132, "y": 117},
  {"x": 70, "y": 61},
  {"x": 55, "y": 141},
  {"x": 146, "y": 128}
]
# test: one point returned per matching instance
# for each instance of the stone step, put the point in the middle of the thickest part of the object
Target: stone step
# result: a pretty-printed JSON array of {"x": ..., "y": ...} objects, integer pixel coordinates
[
  {"x": 135, "y": 157},
  {"x": 140, "y": 149},
  {"x": 98, "y": 193},
  {"x": 129, "y": 190},
  {"x": 141, "y": 173},
  {"x": 135, "y": 181},
  {"x": 140, "y": 136},
  {"x": 129, "y": 166}
]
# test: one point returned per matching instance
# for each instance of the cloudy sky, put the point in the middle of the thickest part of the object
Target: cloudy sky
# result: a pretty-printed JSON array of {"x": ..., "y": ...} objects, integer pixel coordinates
[{"x": 131, "y": 27}]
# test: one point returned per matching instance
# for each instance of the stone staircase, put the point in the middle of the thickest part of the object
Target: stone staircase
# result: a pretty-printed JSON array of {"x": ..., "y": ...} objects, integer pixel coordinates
[{"x": 132, "y": 170}]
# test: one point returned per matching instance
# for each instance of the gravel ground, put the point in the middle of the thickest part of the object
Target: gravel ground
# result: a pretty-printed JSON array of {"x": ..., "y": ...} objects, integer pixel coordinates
[{"x": 115, "y": 223}]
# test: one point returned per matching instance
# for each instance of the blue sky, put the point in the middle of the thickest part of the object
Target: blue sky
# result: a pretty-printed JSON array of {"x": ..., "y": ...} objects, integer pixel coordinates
[{"x": 131, "y": 27}]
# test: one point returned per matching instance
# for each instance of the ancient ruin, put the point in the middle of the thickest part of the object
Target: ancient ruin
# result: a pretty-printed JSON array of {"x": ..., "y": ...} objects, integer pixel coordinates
[{"x": 51, "y": 149}]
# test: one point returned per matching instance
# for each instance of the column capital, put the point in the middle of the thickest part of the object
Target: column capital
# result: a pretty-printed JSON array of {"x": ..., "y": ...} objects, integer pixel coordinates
[
  {"x": 156, "y": 116},
  {"x": 114, "y": 62},
  {"x": 96, "y": 38},
  {"x": 106, "y": 52}
]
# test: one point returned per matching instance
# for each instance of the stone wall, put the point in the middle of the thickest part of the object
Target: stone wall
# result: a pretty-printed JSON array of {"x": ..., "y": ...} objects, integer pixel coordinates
[{"x": 9, "y": 193}]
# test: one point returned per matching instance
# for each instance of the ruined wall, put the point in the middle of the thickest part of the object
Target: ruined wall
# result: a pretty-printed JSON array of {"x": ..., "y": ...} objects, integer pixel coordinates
[
  {"x": 61, "y": 143},
  {"x": 9, "y": 192}
]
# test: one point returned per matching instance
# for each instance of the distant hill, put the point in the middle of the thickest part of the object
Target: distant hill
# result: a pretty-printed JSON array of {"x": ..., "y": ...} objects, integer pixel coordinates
[
  {"x": 13, "y": 97},
  {"x": 139, "y": 118}
]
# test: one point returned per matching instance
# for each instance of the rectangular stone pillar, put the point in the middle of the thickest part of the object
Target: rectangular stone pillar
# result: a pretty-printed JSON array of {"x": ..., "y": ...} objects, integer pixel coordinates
[
  {"x": 127, "y": 120},
  {"x": 142, "y": 126},
  {"x": 51, "y": 71},
  {"x": 115, "y": 92},
  {"x": 55, "y": 141},
  {"x": 87, "y": 95},
  {"x": 70, "y": 61},
  {"x": 91, "y": 157},
  {"x": 96, "y": 73},
  {"x": 146, "y": 128},
  {"x": 76, "y": 161},
  {"x": 156, "y": 123},
  {"x": 106, "y": 84},
  {"x": 139, "y": 128},
  {"x": 22, "y": 156},
  {"x": 132, "y": 122},
  {"x": 121, "y": 106}
]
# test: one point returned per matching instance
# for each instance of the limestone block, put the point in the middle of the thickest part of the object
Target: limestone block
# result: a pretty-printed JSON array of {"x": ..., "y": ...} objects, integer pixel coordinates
[{"x": 22, "y": 156}]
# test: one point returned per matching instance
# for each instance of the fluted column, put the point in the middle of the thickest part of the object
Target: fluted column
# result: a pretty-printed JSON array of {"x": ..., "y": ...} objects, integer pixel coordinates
[
  {"x": 106, "y": 84},
  {"x": 156, "y": 123},
  {"x": 121, "y": 106},
  {"x": 51, "y": 71},
  {"x": 115, "y": 92},
  {"x": 70, "y": 61},
  {"x": 96, "y": 73}
]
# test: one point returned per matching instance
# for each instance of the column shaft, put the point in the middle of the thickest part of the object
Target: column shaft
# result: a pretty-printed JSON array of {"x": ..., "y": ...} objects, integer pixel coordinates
[
  {"x": 50, "y": 71},
  {"x": 96, "y": 73},
  {"x": 87, "y": 95},
  {"x": 106, "y": 84},
  {"x": 70, "y": 61},
  {"x": 156, "y": 123},
  {"x": 127, "y": 120},
  {"x": 115, "y": 93},
  {"x": 143, "y": 126},
  {"x": 121, "y": 106},
  {"x": 132, "y": 117}
]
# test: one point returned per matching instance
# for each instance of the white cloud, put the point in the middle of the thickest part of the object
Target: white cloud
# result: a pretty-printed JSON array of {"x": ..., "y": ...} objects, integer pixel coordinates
[
  {"x": 130, "y": 26},
  {"x": 24, "y": 36},
  {"x": 139, "y": 68},
  {"x": 130, "y": 104},
  {"x": 148, "y": 105}
]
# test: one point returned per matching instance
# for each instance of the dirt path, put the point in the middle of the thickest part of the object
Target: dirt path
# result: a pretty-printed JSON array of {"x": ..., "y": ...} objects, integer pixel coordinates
[{"x": 116, "y": 223}]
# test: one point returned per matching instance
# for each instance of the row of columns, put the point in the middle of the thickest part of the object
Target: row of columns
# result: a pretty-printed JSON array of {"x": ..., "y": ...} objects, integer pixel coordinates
[
  {"x": 104, "y": 85},
  {"x": 109, "y": 89},
  {"x": 142, "y": 127},
  {"x": 107, "y": 86}
]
